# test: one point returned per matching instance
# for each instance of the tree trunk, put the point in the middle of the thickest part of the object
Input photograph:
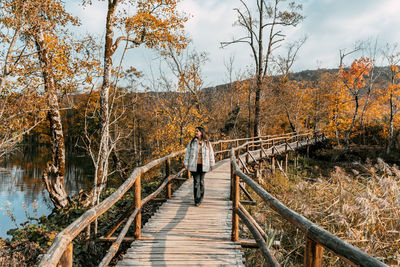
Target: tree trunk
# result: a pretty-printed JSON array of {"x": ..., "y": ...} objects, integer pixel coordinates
[
  {"x": 104, "y": 146},
  {"x": 290, "y": 121},
  {"x": 352, "y": 123},
  {"x": 390, "y": 141},
  {"x": 257, "y": 104},
  {"x": 249, "y": 123},
  {"x": 53, "y": 176},
  {"x": 257, "y": 108}
]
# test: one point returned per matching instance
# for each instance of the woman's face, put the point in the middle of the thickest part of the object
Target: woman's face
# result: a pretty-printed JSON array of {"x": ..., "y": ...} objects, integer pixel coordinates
[{"x": 197, "y": 134}]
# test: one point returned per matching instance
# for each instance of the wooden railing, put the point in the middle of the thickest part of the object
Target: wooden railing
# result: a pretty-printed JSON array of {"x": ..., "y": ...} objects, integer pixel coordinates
[
  {"x": 316, "y": 238},
  {"x": 60, "y": 252}
]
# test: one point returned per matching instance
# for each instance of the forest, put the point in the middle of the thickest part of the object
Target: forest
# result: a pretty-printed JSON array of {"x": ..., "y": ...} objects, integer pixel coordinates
[{"x": 72, "y": 93}]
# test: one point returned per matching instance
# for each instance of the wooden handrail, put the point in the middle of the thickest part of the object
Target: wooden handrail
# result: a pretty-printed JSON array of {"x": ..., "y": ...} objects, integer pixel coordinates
[
  {"x": 259, "y": 239},
  {"x": 253, "y": 138},
  {"x": 315, "y": 235},
  {"x": 65, "y": 237},
  {"x": 54, "y": 253}
]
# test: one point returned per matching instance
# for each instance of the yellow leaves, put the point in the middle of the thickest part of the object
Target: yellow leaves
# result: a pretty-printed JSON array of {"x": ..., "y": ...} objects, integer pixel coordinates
[
  {"x": 176, "y": 118},
  {"x": 157, "y": 24}
]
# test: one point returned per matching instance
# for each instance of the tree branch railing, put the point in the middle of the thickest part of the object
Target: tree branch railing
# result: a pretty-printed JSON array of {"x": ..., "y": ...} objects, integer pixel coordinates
[
  {"x": 60, "y": 252},
  {"x": 316, "y": 238}
]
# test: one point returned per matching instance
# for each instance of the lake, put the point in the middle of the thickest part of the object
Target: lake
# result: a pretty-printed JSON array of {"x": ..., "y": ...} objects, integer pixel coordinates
[{"x": 22, "y": 192}]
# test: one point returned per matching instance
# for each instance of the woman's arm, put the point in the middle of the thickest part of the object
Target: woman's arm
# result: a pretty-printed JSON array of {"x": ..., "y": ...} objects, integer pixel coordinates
[
  {"x": 187, "y": 155},
  {"x": 212, "y": 159}
]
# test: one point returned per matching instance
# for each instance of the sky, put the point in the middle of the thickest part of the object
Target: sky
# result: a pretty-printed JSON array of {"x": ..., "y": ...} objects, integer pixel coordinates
[{"x": 330, "y": 26}]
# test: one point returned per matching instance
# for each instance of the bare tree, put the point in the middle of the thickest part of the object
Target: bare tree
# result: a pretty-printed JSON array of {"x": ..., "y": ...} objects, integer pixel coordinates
[
  {"x": 186, "y": 67},
  {"x": 229, "y": 75},
  {"x": 284, "y": 64},
  {"x": 392, "y": 56},
  {"x": 269, "y": 16},
  {"x": 372, "y": 49}
]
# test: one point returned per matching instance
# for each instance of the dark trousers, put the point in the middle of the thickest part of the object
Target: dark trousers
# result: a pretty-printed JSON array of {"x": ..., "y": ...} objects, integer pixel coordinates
[{"x": 198, "y": 184}]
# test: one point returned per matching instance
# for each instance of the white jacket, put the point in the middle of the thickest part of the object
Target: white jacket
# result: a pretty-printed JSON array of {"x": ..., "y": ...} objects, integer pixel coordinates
[{"x": 192, "y": 154}]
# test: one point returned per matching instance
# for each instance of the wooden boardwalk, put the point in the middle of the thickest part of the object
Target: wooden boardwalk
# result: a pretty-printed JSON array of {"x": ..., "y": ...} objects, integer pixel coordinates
[{"x": 181, "y": 234}]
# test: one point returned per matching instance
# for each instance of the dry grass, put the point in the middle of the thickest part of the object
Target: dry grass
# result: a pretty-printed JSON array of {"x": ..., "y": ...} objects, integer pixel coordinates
[{"x": 360, "y": 206}]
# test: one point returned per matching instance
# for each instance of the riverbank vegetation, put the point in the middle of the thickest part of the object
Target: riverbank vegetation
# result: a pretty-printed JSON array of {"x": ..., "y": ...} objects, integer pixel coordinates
[{"x": 353, "y": 194}]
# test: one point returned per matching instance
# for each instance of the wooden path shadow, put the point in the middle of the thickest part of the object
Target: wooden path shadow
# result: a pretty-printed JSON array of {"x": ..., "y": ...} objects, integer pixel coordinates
[{"x": 181, "y": 234}]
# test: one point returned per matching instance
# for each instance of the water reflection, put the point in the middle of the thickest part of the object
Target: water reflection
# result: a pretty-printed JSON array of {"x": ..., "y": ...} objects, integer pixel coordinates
[{"x": 20, "y": 184}]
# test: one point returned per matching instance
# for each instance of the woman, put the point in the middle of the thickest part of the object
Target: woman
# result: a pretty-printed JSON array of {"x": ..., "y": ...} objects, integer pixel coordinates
[{"x": 199, "y": 159}]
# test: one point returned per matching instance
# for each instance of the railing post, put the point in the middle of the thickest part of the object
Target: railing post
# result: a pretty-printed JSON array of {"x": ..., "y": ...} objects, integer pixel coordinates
[
  {"x": 286, "y": 161},
  {"x": 138, "y": 205},
  {"x": 313, "y": 254},
  {"x": 67, "y": 258},
  {"x": 273, "y": 157},
  {"x": 235, "y": 205},
  {"x": 247, "y": 153},
  {"x": 286, "y": 144},
  {"x": 221, "y": 155},
  {"x": 261, "y": 148},
  {"x": 273, "y": 164},
  {"x": 167, "y": 173},
  {"x": 231, "y": 182}
]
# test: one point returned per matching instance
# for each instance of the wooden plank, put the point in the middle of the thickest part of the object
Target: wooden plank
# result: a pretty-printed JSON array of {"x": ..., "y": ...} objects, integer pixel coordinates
[
  {"x": 181, "y": 234},
  {"x": 183, "y": 250},
  {"x": 232, "y": 262}
]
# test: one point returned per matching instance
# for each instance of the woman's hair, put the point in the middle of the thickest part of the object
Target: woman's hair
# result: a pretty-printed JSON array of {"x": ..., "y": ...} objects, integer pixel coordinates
[{"x": 203, "y": 135}]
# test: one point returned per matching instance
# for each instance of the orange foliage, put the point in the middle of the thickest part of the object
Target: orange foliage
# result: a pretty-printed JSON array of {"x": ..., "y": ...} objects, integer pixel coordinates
[{"x": 354, "y": 78}]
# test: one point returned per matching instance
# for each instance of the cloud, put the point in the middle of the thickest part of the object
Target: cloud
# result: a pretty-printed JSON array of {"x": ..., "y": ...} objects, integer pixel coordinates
[
  {"x": 334, "y": 25},
  {"x": 329, "y": 24},
  {"x": 93, "y": 17},
  {"x": 211, "y": 23}
]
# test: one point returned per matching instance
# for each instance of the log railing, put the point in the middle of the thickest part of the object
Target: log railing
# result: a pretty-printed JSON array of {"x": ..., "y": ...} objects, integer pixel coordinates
[
  {"x": 316, "y": 238},
  {"x": 60, "y": 252}
]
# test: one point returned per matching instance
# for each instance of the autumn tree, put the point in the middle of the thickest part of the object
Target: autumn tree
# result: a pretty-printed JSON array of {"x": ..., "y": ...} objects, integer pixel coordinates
[
  {"x": 228, "y": 103},
  {"x": 154, "y": 24},
  {"x": 41, "y": 25},
  {"x": 20, "y": 102},
  {"x": 46, "y": 22},
  {"x": 186, "y": 67},
  {"x": 321, "y": 104},
  {"x": 354, "y": 81},
  {"x": 371, "y": 48},
  {"x": 181, "y": 108},
  {"x": 391, "y": 94},
  {"x": 288, "y": 93},
  {"x": 178, "y": 116},
  {"x": 270, "y": 18}
]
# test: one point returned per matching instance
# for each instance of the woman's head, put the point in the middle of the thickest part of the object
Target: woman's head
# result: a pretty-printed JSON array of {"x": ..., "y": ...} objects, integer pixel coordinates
[{"x": 200, "y": 133}]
